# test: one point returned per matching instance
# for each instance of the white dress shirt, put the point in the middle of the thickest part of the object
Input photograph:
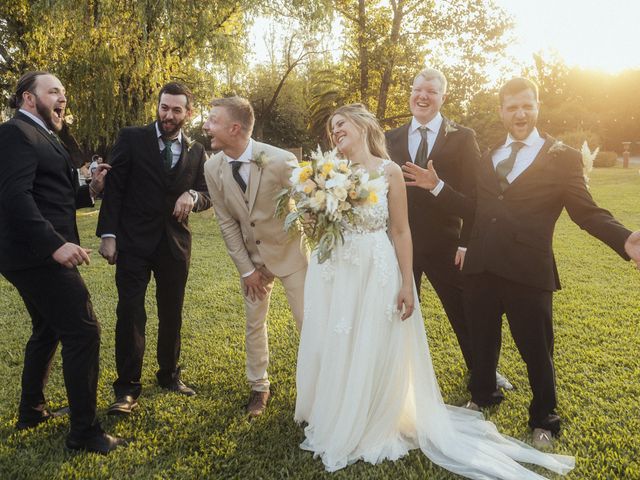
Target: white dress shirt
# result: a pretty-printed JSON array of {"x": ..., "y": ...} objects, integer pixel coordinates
[
  {"x": 525, "y": 157},
  {"x": 433, "y": 127}
]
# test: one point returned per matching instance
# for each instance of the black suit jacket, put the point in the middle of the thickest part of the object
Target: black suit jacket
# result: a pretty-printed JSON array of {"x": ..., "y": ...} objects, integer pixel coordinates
[
  {"x": 139, "y": 196},
  {"x": 39, "y": 195},
  {"x": 513, "y": 230},
  {"x": 435, "y": 221}
]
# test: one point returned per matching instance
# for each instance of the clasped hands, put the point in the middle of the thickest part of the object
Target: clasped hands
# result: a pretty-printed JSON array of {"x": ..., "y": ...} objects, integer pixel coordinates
[{"x": 254, "y": 285}]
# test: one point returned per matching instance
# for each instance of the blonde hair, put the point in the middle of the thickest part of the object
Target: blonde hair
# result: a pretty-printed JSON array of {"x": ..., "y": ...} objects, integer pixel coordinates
[
  {"x": 431, "y": 74},
  {"x": 366, "y": 121},
  {"x": 239, "y": 109}
]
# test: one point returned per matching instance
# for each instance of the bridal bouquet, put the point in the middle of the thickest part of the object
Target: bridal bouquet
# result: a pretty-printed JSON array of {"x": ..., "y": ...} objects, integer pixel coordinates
[{"x": 324, "y": 191}]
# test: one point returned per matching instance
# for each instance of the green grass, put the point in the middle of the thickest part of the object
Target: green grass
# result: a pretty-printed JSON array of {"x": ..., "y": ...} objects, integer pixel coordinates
[{"x": 597, "y": 338}]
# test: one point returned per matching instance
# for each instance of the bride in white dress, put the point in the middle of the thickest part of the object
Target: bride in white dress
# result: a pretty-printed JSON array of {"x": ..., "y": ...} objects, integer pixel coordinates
[{"x": 365, "y": 381}]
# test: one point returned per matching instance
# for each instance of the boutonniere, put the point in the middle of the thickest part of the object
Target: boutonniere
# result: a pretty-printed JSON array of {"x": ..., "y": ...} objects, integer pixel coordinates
[
  {"x": 189, "y": 143},
  {"x": 557, "y": 147},
  {"x": 261, "y": 160},
  {"x": 449, "y": 127},
  {"x": 587, "y": 160}
]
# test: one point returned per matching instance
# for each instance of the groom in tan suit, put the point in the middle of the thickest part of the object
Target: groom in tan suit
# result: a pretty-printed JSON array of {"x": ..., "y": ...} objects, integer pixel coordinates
[{"x": 244, "y": 178}]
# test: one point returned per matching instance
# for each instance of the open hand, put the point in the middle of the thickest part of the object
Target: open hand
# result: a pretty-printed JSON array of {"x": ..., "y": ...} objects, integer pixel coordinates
[
  {"x": 406, "y": 299},
  {"x": 71, "y": 255},
  {"x": 254, "y": 286},
  {"x": 416, "y": 176}
]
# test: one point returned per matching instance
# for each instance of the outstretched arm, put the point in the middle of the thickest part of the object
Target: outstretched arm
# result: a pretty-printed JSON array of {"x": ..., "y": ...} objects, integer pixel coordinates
[{"x": 401, "y": 236}]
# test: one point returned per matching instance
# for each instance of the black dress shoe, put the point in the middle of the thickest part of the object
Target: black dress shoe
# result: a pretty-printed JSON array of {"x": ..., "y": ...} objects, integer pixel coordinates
[
  {"x": 179, "y": 387},
  {"x": 102, "y": 443},
  {"x": 122, "y": 406},
  {"x": 23, "y": 424}
]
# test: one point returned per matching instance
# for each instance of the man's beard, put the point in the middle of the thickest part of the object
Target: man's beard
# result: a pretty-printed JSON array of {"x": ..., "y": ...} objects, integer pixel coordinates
[
  {"x": 48, "y": 116},
  {"x": 169, "y": 130}
]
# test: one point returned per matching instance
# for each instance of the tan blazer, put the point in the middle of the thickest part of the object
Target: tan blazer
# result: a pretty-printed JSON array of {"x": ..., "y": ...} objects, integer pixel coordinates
[{"x": 253, "y": 235}]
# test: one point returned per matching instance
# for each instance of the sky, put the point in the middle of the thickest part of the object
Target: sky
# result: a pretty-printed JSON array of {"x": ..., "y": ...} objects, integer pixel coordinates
[{"x": 603, "y": 35}]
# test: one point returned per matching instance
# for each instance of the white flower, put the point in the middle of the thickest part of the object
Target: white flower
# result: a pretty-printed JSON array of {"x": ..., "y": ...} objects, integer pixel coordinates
[{"x": 587, "y": 159}]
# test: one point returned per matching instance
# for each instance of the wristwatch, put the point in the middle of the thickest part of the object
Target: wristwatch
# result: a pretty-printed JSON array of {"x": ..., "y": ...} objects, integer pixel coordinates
[{"x": 193, "y": 194}]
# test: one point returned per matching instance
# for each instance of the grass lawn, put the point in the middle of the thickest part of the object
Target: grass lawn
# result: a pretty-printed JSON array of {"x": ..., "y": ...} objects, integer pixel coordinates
[{"x": 597, "y": 317}]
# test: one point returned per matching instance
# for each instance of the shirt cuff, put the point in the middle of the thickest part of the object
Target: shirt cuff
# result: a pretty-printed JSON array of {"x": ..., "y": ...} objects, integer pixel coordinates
[
  {"x": 437, "y": 189},
  {"x": 245, "y": 275},
  {"x": 107, "y": 235},
  {"x": 462, "y": 249}
]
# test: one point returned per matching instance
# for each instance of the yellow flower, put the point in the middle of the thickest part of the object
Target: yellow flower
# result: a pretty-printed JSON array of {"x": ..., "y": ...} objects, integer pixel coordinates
[
  {"x": 306, "y": 173},
  {"x": 327, "y": 167},
  {"x": 344, "y": 168},
  {"x": 373, "y": 197}
]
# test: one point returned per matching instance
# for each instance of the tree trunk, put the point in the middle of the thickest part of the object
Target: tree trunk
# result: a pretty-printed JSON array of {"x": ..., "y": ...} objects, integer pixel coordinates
[
  {"x": 363, "y": 53},
  {"x": 385, "y": 82}
]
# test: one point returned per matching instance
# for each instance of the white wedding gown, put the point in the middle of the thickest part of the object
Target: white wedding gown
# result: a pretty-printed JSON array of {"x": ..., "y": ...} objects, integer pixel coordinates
[{"x": 365, "y": 381}]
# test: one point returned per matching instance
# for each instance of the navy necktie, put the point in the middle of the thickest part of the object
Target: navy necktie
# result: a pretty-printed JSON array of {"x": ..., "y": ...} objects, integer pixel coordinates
[{"x": 235, "y": 169}]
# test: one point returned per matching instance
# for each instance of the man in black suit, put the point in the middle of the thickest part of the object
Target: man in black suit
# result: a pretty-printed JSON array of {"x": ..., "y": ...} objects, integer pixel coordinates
[
  {"x": 40, "y": 253},
  {"x": 522, "y": 186},
  {"x": 156, "y": 181},
  {"x": 436, "y": 227}
]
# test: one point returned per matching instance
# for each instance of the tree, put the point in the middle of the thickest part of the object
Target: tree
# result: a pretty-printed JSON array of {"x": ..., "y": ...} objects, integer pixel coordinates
[
  {"x": 387, "y": 43},
  {"x": 114, "y": 55}
]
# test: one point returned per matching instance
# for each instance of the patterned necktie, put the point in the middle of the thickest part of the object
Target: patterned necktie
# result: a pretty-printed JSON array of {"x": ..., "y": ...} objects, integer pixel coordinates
[
  {"x": 167, "y": 154},
  {"x": 235, "y": 169},
  {"x": 422, "y": 155},
  {"x": 505, "y": 166}
]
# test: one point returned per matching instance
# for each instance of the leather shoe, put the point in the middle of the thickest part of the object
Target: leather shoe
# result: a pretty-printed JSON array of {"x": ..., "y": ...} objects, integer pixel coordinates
[
  {"x": 257, "y": 403},
  {"x": 542, "y": 439},
  {"x": 471, "y": 405},
  {"x": 34, "y": 422},
  {"x": 123, "y": 405},
  {"x": 102, "y": 443},
  {"x": 179, "y": 387},
  {"x": 502, "y": 382},
  {"x": 46, "y": 415}
]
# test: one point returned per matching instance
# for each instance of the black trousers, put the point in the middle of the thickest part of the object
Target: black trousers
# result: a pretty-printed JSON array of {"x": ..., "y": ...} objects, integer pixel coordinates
[
  {"x": 529, "y": 313},
  {"x": 132, "y": 278},
  {"x": 61, "y": 312},
  {"x": 446, "y": 279}
]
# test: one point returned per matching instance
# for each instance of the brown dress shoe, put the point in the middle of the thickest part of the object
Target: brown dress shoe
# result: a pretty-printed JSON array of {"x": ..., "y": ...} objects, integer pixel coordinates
[{"x": 257, "y": 403}]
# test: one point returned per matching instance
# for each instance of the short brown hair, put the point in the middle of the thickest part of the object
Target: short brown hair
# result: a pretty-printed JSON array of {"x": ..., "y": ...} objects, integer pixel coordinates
[
  {"x": 517, "y": 85},
  {"x": 27, "y": 83},
  {"x": 239, "y": 109},
  {"x": 176, "y": 88}
]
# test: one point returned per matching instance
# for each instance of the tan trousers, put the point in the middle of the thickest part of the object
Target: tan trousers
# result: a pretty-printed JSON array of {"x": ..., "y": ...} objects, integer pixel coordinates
[{"x": 256, "y": 341}]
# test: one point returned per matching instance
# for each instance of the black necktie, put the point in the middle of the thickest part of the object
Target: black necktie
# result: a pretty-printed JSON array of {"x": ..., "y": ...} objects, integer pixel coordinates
[
  {"x": 167, "y": 154},
  {"x": 422, "y": 155},
  {"x": 235, "y": 169},
  {"x": 505, "y": 166}
]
